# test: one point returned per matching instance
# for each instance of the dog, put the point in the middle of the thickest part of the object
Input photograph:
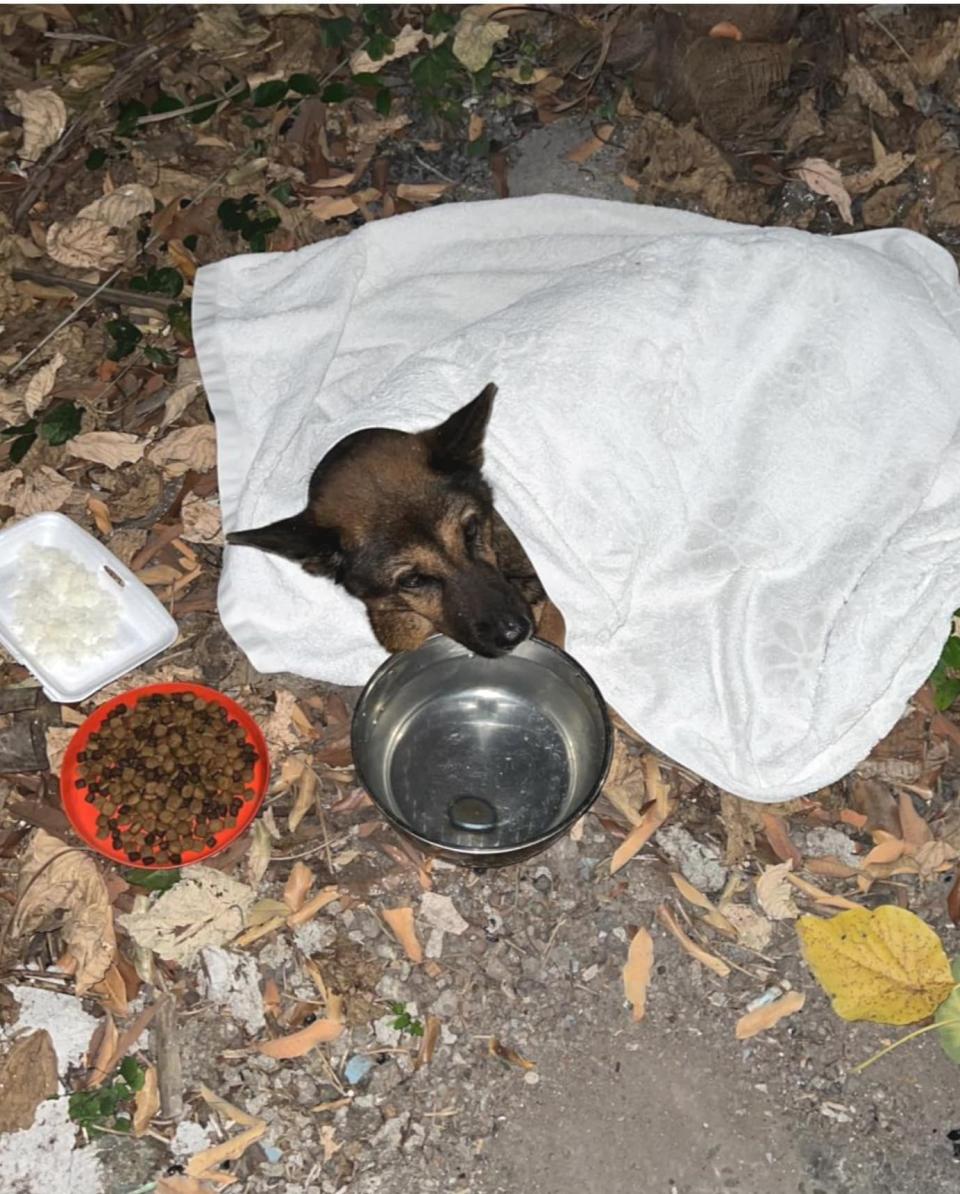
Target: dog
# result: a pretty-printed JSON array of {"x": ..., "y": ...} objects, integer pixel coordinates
[{"x": 405, "y": 522}]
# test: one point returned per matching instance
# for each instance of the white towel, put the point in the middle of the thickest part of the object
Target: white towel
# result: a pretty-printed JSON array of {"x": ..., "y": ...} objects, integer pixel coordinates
[{"x": 731, "y": 453}]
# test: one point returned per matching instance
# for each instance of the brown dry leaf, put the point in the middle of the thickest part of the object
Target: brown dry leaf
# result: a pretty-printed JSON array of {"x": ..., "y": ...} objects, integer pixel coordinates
[
  {"x": 159, "y": 574},
  {"x": 888, "y": 849},
  {"x": 147, "y": 1102},
  {"x": 405, "y": 42},
  {"x": 422, "y": 192},
  {"x": 297, "y": 1044},
  {"x": 120, "y": 207},
  {"x": 331, "y": 207},
  {"x": 635, "y": 839},
  {"x": 891, "y": 167},
  {"x": 400, "y": 923},
  {"x": 258, "y": 856},
  {"x": 100, "y": 514},
  {"x": 475, "y": 126},
  {"x": 207, "y": 1164},
  {"x": 823, "y": 179},
  {"x": 295, "y": 889},
  {"x": 765, "y": 1017},
  {"x": 805, "y": 123},
  {"x": 624, "y": 786},
  {"x": 593, "y": 144},
  {"x": 185, "y": 450},
  {"x": 314, "y": 905},
  {"x": 779, "y": 838},
  {"x": 84, "y": 244},
  {"x": 773, "y": 892},
  {"x": 42, "y": 490},
  {"x": 69, "y": 887},
  {"x": 201, "y": 520},
  {"x": 272, "y": 1003},
  {"x": 44, "y": 117},
  {"x": 636, "y": 972},
  {"x": 819, "y": 895},
  {"x": 111, "y": 991},
  {"x": 38, "y": 388},
  {"x": 57, "y": 740},
  {"x": 428, "y": 1042},
  {"x": 102, "y": 1054},
  {"x": 916, "y": 832},
  {"x": 933, "y": 857},
  {"x": 657, "y": 789},
  {"x": 510, "y": 1056},
  {"x": 283, "y": 729},
  {"x": 306, "y": 798},
  {"x": 696, "y": 897},
  {"x": 753, "y": 930},
  {"x": 931, "y": 58},
  {"x": 179, "y": 1183},
  {"x": 476, "y": 34},
  {"x": 110, "y": 448},
  {"x": 711, "y": 961},
  {"x": 865, "y": 87},
  {"x": 28, "y": 1075},
  {"x": 178, "y": 402}
]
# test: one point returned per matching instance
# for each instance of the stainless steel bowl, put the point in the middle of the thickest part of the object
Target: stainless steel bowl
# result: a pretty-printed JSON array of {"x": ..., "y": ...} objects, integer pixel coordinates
[{"x": 482, "y": 761}]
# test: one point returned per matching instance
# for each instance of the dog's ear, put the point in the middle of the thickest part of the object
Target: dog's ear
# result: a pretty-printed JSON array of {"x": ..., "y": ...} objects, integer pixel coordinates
[
  {"x": 316, "y": 549},
  {"x": 457, "y": 444}
]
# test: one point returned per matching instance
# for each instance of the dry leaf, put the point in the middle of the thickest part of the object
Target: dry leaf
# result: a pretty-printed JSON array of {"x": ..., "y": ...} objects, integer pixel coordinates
[
  {"x": 765, "y": 1017},
  {"x": 711, "y": 961},
  {"x": 889, "y": 849},
  {"x": 885, "y": 965},
  {"x": 296, "y": 1044},
  {"x": 331, "y": 207},
  {"x": 916, "y": 832},
  {"x": 804, "y": 124},
  {"x": 201, "y": 521},
  {"x": 178, "y": 402},
  {"x": 38, "y": 388},
  {"x": 310, "y": 909},
  {"x": 823, "y": 179},
  {"x": 773, "y": 892},
  {"x": 70, "y": 889},
  {"x": 861, "y": 83},
  {"x": 510, "y": 1056},
  {"x": 696, "y": 897},
  {"x": 779, "y": 839},
  {"x": 295, "y": 889},
  {"x": 111, "y": 991},
  {"x": 822, "y": 897},
  {"x": 475, "y": 126},
  {"x": 120, "y": 207},
  {"x": 101, "y": 516},
  {"x": 159, "y": 574},
  {"x": 147, "y": 1102},
  {"x": 890, "y": 167},
  {"x": 593, "y": 144},
  {"x": 934, "y": 857},
  {"x": 111, "y": 448},
  {"x": 185, "y": 450},
  {"x": 84, "y": 244},
  {"x": 405, "y": 42},
  {"x": 305, "y": 799},
  {"x": 525, "y": 75},
  {"x": 102, "y": 1056},
  {"x": 57, "y": 740},
  {"x": 476, "y": 35},
  {"x": 624, "y": 786},
  {"x": 636, "y": 972},
  {"x": 42, "y": 490},
  {"x": 44, "y": 117},
  {"x": 400, "y": 923},
  {"x": 635, "y": 839},
  {"x": 753, "y": 930},
  {"x": 179, "y": 1183},
  {"x": 205, "y": 908},
  {"x": 28, "y": 1075},
  {"x": 286, "y": 726},
  {"x": 422, "y": 192},
  {"x": 258, "y": 856}
]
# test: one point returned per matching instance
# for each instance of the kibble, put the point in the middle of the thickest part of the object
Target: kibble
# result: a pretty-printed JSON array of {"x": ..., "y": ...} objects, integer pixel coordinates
[{"x": 155, "y": 802}]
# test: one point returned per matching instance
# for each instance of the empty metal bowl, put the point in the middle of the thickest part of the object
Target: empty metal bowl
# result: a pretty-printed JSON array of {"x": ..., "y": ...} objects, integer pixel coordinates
[{"x": 482, "y": 761}]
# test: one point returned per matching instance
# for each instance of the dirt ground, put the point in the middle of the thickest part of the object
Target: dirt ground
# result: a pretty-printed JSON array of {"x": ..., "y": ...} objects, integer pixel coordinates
[{"x": 531, "y": 1073}]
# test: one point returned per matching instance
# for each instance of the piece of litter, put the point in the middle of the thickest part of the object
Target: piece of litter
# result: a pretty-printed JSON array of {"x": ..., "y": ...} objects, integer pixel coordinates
[{"x": 357, "y": 1068}]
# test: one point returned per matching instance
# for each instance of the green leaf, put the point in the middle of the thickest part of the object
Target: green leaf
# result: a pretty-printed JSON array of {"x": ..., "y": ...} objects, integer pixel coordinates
[
  {"x": 166, "y": 103},
  {"x": 95, "y": 159},
  {"x": 416, "y": 1028},
  {"x": 159, "y": 356},
  {"x": 180, "y": 321},
  {"x": 191, "y": 242},
  {"x": 431, "y": 72},
  {"x": 23, "y": 429},
  {"x": 231, "y": 215},
  {"x": 337, "y": 32},
  {"x": 951, "y": 652},
  {"x": 20, "y": 447},
  {"x": 269, "y": 93},
  {"x": 375, "y": 16},
  {"x": 365, "y": 79},
  {"x": 129, "y": 113},
  {"x": 304, "y": 84},
  {"x": 126, "y": 337},
  {"x": 383, "y": 101},
  {"x": 151, "y": 880},
  {"x": 945, "y": 692},
  {"x": 283, "y": 193},
  {"x": 379, "y": 46},
  {"x": 947, "y": 1016},
  {"x": 61, "y": 423},
  {"x": 122, "y": 1124},
  {"x": 132, "y": 1073},
  {"x": 440, "y": 20},
  {"x": 203, "y": 114},
  {"x": 166, "y": 281},
  {"x": 336, "y": 93}
]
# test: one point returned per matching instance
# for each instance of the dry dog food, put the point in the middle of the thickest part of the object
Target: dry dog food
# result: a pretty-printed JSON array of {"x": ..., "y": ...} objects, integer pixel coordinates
[{"x": 166, "y": 776}]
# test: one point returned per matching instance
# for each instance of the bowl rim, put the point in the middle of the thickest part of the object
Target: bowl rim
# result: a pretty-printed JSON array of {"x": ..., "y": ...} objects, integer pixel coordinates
[
  {"x": 544, "y": 839},
  {"x": 93, "y": 721}
]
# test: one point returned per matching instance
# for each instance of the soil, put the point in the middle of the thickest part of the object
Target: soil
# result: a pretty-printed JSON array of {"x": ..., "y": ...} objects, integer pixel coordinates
[{"x": 575, "y": 1096}]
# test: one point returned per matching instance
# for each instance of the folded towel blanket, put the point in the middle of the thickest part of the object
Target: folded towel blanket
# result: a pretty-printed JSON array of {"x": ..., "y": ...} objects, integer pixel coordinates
[{"x": 731, "y": 453}]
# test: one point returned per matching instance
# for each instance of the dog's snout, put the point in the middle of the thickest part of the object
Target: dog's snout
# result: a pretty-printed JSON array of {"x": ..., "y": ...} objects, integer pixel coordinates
[{"x": 512, "y": 632}]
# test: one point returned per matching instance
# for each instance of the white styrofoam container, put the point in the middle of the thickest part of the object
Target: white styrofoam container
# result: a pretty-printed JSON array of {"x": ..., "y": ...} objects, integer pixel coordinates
[{"x": 145, "y": 626}]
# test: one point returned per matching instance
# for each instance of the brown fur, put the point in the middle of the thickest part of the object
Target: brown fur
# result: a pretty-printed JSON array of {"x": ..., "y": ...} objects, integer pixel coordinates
[{"x": 406, "y": 523}]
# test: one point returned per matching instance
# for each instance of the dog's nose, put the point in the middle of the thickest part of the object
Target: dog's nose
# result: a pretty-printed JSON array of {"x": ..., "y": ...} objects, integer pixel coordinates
[{"x": 512, "y": 632}]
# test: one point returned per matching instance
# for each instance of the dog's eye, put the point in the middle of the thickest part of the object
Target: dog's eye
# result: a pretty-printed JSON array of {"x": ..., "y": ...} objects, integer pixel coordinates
[
  {"x": 471, "y": 531},
  {"x": 412, "y": 581}
]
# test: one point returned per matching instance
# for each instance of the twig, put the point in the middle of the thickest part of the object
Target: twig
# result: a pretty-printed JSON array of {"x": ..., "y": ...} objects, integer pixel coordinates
[
  {"x": 434, "y": 170},
  {"x": 109, "y": 294},
  {"x": 166, "y": 1048},
  {"x": 154, "y": 117},
  {"x": 893, "y": 37}
]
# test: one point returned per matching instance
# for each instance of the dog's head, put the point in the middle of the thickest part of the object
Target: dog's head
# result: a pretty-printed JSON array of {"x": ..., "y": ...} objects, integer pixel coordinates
[{"x": 404, "y": 522}]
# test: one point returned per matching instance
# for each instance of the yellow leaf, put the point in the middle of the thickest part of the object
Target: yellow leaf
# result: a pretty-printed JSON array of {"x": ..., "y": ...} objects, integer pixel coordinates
[
  {"x": 886, "y": 965},
  {"x": 476, "y": 35},
  {"x": 636, "y": 973}
]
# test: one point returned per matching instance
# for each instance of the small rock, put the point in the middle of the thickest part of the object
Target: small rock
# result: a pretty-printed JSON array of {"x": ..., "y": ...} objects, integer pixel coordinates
[
  {"x": 265, "y": 1064},
  {"x": 358, "y": 1067},
  {"x": 699, "y": 863},
  {"x": 446, "y": 1005},
  {"x": 826, "y": 842},
  {"x": 590, "y": 972},
  {"x": 305, "y": 1089},
  {"x": 438, "y": 912},
  {"x": 314, "y": 936},
  {"x": 191, "y": 1138}
]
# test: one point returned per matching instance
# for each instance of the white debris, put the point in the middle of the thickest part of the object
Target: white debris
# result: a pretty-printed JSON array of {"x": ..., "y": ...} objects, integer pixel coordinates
[
  {"x": 233, "y": 984},
  {"x": 191, "y": 1138},
  {"x": 70, "y": 1028},
  {"x": 43, "y": 1156}
]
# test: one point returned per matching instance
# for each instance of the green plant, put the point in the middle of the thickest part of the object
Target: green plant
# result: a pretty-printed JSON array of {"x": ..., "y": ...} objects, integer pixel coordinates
[
  {"x": 158, "y": 281},
  {"x": 56, "y": 426},
  {"x": 110, "y": 1105},
  {"x": 151, "y": 880},
  {"x": 125, "y": 335},
  {"x": 404, "y": 1022},
  {"x": 252, "y": 222},
  {"x": 945, "y": 677}
]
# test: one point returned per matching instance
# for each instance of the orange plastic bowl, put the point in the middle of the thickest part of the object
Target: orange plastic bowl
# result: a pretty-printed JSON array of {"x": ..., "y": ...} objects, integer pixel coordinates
[{"x": 83, "y": 816}]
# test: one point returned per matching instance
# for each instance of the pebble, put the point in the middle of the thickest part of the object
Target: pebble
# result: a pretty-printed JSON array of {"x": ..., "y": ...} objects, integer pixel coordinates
[
  {"x": 358, "y": 1067},
  {"x": 699, "y": 862},
  {"x": 826, "y": 842}
]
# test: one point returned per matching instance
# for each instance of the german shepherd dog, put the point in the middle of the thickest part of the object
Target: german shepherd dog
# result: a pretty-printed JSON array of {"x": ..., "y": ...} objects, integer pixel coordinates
[{"x": 405, "y": 522}]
